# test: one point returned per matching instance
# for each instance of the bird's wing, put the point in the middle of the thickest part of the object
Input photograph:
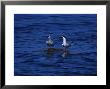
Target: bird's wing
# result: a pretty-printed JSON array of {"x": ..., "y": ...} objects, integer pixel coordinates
[{"x": 64, "y": 41}]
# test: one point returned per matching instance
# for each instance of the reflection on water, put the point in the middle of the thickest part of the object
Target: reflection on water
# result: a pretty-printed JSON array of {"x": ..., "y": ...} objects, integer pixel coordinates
[
  {"x": 64, "y": 54},
  {"x": 32, "y": 57},
  {"x": 50, "y": 52}
]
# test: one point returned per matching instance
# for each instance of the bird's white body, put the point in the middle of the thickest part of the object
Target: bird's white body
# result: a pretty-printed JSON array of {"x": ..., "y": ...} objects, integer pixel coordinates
[
  {"x": 65, "y": 44},
  {"x": 49, "y": 41}
]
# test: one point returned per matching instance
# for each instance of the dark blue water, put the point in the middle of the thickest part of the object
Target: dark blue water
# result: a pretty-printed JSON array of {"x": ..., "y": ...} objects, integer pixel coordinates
[{"x": 31, "y": 32}]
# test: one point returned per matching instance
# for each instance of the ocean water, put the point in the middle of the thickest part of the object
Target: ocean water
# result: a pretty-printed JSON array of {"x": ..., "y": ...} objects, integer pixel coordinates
[{"x": 31, "y": 57}]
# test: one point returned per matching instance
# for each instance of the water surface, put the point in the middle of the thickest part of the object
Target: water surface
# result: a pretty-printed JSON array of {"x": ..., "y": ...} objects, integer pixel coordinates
[{"x": 31, "y": 32}]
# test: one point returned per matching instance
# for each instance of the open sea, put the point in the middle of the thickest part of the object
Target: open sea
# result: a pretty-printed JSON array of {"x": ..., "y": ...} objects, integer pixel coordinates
[{"x": 31, "y": 57}]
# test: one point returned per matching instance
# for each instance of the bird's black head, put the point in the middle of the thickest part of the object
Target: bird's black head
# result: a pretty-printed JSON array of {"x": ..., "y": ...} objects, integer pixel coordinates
[{"x": 63, "y": 36}]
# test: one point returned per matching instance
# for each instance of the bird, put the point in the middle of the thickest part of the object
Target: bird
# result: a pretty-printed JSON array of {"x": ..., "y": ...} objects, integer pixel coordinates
[
  {"x": 65, "y": 44},
  {"x": 49, "y": 42}
]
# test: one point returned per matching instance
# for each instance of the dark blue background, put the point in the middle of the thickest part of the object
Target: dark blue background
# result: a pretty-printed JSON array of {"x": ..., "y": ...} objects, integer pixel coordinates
[{"x": 31, "y": 32}]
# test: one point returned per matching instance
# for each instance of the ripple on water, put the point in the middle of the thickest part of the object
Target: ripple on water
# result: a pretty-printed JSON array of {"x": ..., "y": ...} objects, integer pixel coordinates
[{"x": 31, "y": 32}]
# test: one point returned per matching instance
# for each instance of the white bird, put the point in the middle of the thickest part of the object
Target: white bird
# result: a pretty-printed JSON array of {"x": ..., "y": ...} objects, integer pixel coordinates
[
  {"x": 65, "y": 44},
  {"x": 49, "y": 42}
]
